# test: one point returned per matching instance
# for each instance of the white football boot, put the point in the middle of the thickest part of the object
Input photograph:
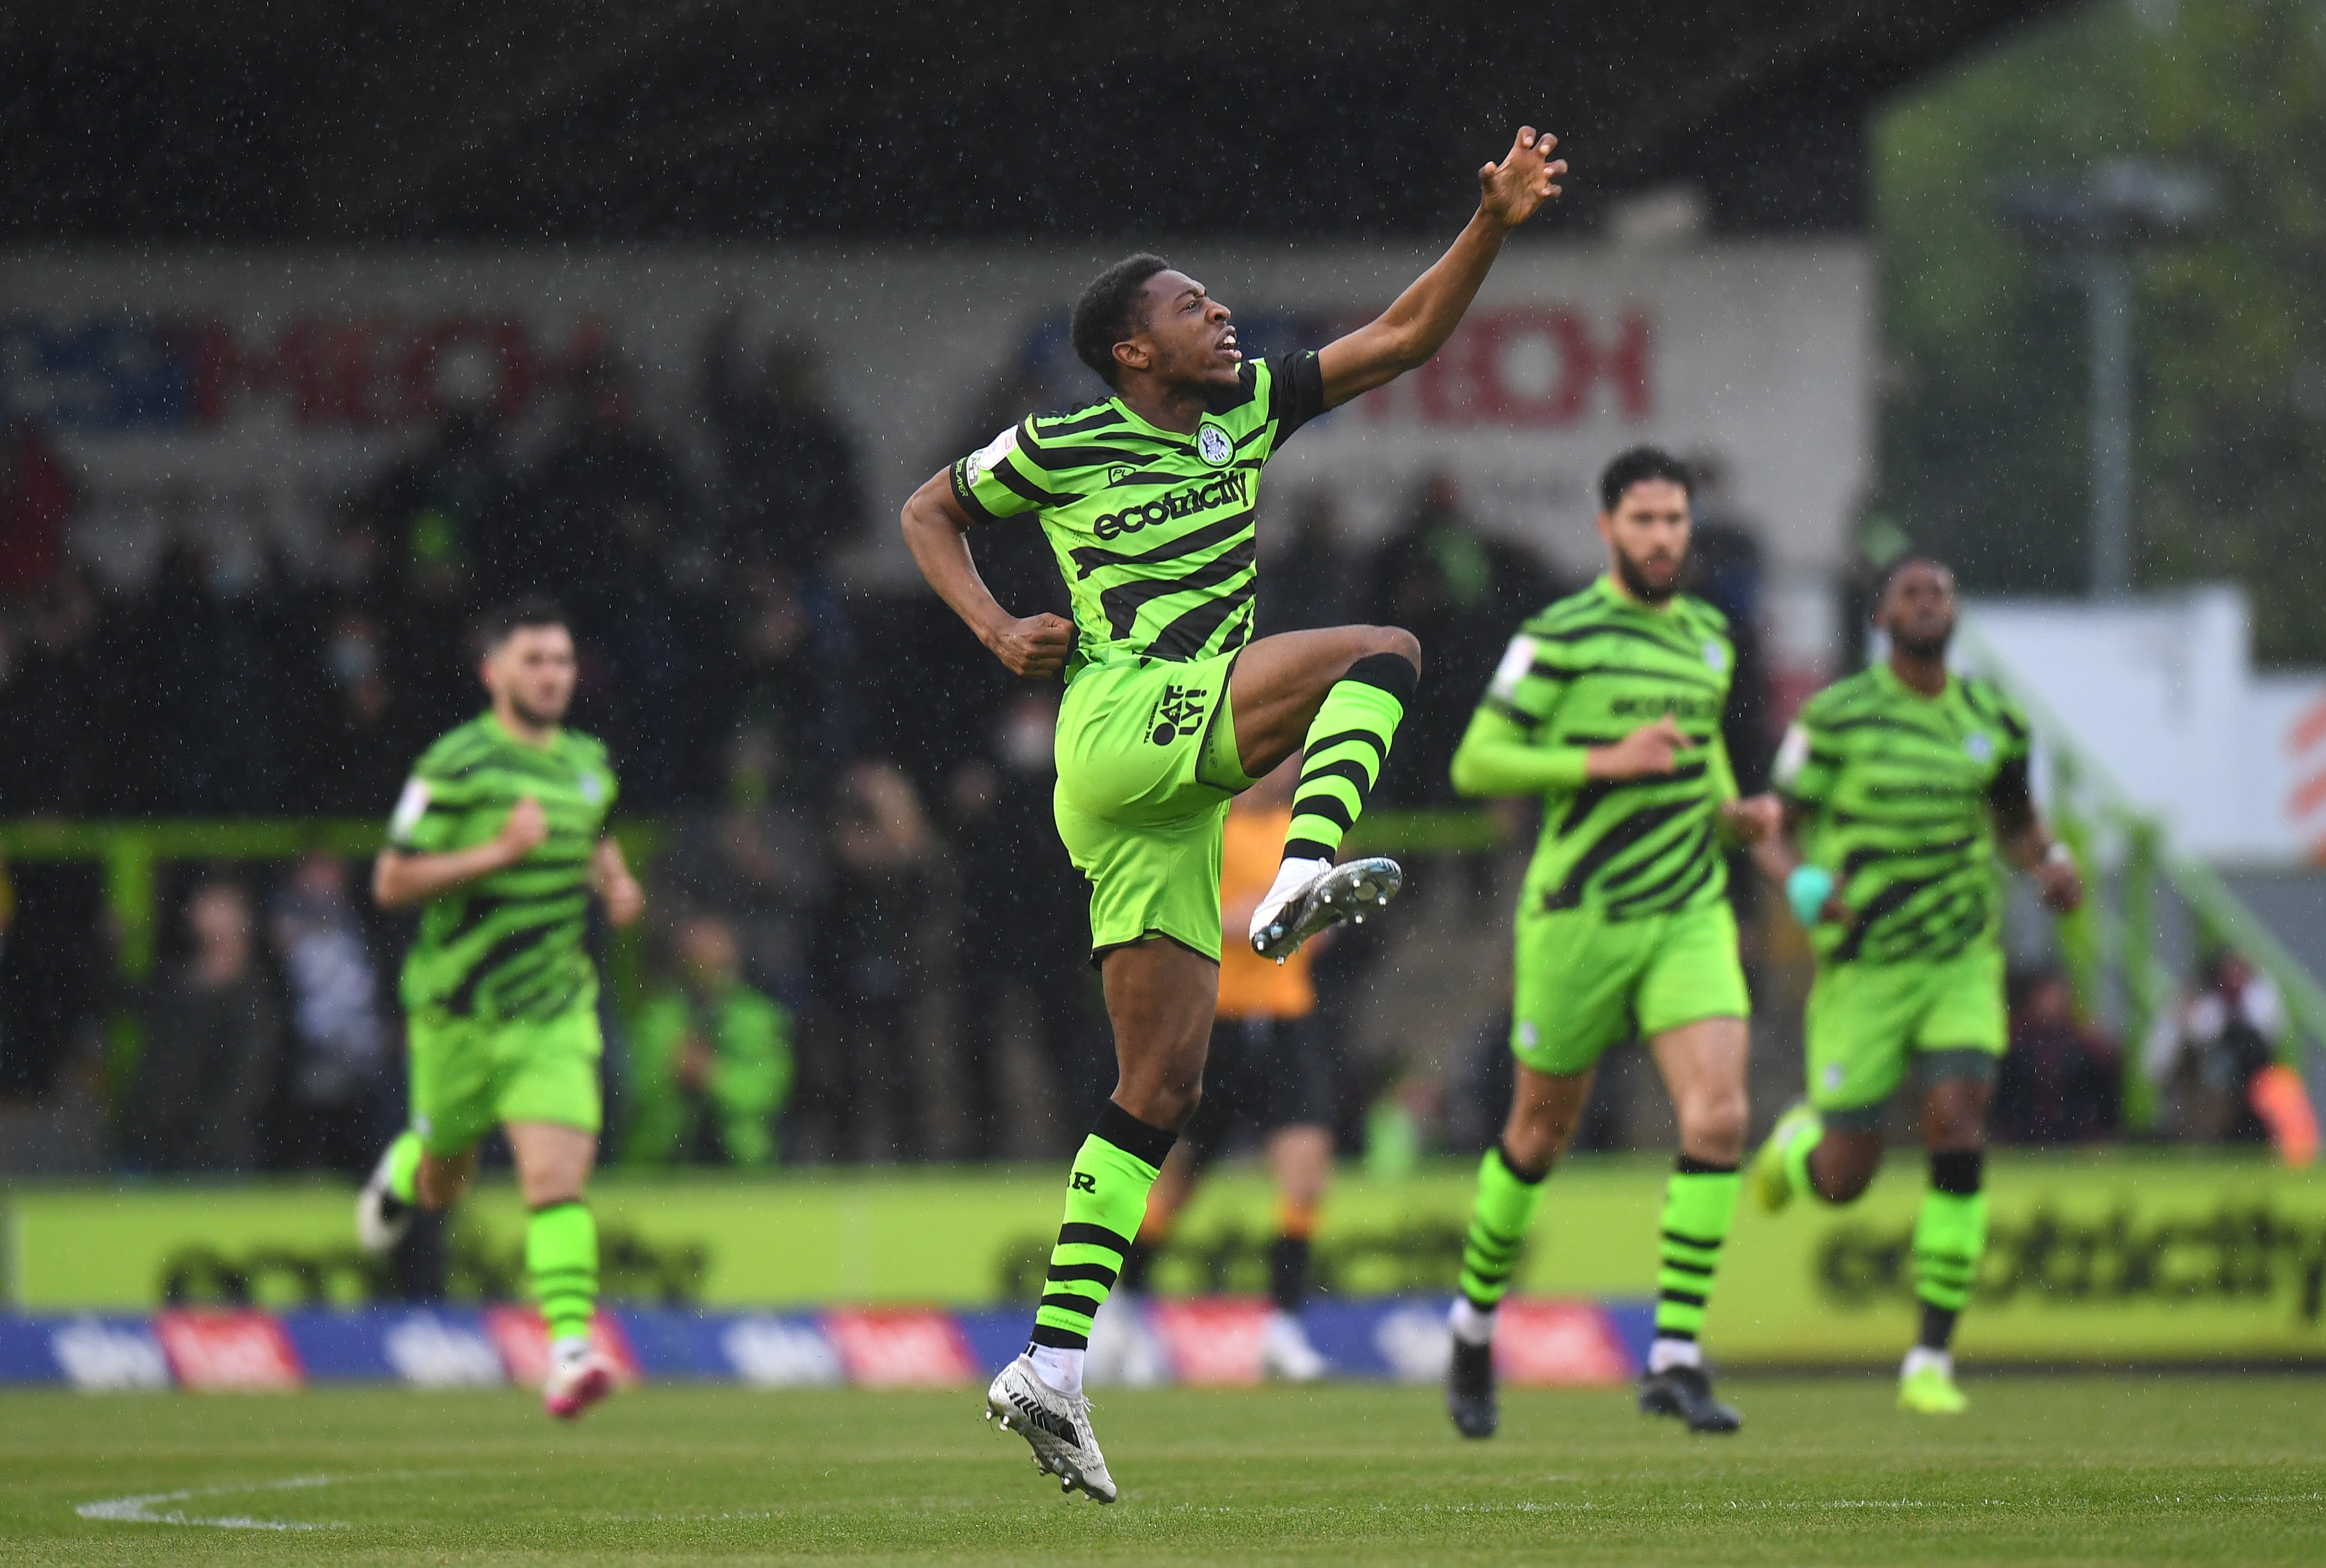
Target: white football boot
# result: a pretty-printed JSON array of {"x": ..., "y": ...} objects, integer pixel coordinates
[
  {"x": 1310, "y": 895},
  {"x": 1057, "y": 1426},
  {"x": 578, "y": 1378},
  {"x": 381, "y": 1217},
  {"x": 1284, "y": 1352}
]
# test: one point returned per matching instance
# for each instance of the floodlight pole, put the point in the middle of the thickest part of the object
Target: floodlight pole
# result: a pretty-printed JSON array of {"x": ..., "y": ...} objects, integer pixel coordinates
[{"x": 2108, "y": 290}]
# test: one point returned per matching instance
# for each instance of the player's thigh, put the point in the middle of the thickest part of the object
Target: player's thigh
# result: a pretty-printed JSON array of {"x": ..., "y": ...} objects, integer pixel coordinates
[
  {"x": 1280, "y": 682},
  {"x": 453, "y": 1084},
  {"x": 1859, "y": 1025},
  {"x": 1149, "y": 746},
  {"x": 1573, "y": 982},
  {"x": 1691, "y": 972},
  {"x": 549, "y": 1072},
  {"x": 1149, "y": 880},
  {"x": 1959, "y": 1040}
]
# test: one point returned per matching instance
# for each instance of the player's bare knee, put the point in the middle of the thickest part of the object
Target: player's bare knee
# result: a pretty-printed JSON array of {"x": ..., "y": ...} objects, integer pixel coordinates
[
  {"x": 1712, "y": 1128},
  {"x": 1396, "y": 640}
]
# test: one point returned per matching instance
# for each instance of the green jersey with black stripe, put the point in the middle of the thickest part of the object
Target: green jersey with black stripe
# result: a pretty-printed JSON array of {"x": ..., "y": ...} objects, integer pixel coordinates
[
  {"x": 1896, "y": 789},
  {"x": 1152, "y": 529},
  {"x": 1586, "y": 673},
  {"x": 508, "y": 945}
]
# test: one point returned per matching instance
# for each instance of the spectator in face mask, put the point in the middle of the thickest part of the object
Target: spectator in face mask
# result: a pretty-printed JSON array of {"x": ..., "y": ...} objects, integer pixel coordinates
[{"x": 1025, "y": 927}]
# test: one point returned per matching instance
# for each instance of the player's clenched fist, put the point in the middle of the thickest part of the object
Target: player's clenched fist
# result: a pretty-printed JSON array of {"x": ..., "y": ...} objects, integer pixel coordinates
[
  {"x": 1753, "y": 818},
  {"x": 526, "y": 827},
  {"x": 1647, "y": 751},
  {"x": 1035, "y": 647}
]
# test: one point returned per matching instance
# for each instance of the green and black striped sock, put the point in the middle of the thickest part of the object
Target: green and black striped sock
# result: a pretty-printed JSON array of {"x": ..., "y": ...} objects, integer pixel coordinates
[
  {"x": 1106, "y": 1199},
  {"x": 1347, "y": 748},
  {"x": 1508, "y": 1199},
  {"x": 1699, "y": 1202},
  {"x": 1949, "y": 1239}
]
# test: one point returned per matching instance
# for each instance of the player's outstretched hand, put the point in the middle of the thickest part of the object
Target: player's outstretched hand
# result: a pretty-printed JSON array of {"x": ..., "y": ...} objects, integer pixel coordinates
[
  {"x": 526, "y": 827},
  {"x": 1035, "y": 647},
  {"x": 1753, "y": 819},
  {"x": 1527, "y": 177},
  {"x": 1648, "y": 750}
]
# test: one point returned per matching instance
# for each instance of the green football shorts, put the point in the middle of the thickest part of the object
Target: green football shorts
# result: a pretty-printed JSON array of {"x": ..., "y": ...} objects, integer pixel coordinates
[
  {"x": 1584, "y": 982},
  {"x": 1865, "y": 1021},
  {"x": 469, "y": 1075},
  {"x": 1147, "y": 764}
]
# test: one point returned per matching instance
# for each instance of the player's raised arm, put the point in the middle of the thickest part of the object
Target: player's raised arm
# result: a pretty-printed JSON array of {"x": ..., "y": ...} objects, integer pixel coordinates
[
  {"x": 937, "y": 529},
  {"x": 1416, "y": 326}
]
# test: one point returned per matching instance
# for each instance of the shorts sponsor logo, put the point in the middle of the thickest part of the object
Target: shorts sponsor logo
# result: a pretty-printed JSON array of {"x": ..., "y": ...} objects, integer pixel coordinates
[
  {"x": 1832, "y": 1075},
  {"x": 1212, "y": 444},
  {"x": 1178, "y": 711},
  {"x": 1224, "y": 490},
  {"x": 1529, "y": 1035}
]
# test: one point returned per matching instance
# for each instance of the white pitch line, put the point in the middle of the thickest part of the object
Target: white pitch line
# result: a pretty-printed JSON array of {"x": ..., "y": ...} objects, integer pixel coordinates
[{"x": 139, "y": 1509}]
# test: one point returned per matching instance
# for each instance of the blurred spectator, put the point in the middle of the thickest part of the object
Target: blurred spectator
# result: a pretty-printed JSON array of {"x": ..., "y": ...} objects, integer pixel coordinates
[
  {"x": 356, "y": 733},
  {"x": 202, "y": 684},
  {"x": 793, "y": 664},
  {"x": 1462, "y": 595},
  {"x": 760, "y": 861},
  {"x": 36, "y": 506},
  {"x": 339, "y": 1057},
  {"x": 875, "y": 924},
  {"x": 790, "y": 470},
  {"x": 710, "y": 1060},
  {"x": 1025, "y": 923},
  {"x": 213, "y": 1044},
  {"x": 565, "y": 534},
  {"x": 1311, "y": 581},
  {"x": 439, "y": 510},
  {"x": 2059, "y": 1082},
  {"x": 54, "y": 737},
  {"x": 2204, "y": 1052}
]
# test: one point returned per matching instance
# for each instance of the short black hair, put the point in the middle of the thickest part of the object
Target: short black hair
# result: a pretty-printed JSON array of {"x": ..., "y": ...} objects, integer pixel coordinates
[
  {"x": 1634, "y": 464},
  {"x": 1910, "y": 558},
  {"x": 532, "y": 609},
  {"x": 1108, "y": 311}
]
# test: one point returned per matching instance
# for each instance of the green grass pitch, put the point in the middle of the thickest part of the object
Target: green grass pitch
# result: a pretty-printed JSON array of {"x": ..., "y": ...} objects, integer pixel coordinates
[{"x": 2075, "y": 1470}]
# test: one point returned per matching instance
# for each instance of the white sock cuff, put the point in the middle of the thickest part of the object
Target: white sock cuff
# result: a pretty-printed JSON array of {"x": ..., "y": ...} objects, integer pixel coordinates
[
  {"x": 1061, "y": 1370},
  {"x": 1665, "y": 1354},
  {"x": 1470, "y": 1325}
]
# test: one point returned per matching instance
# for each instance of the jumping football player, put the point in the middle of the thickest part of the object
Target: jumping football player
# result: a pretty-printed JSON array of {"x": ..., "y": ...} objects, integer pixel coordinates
[
  {"x": 500, "y": 838},
  {"x": 1898, "y": 784},
  {"x": 1608, "y": 705},
  {"x": 1171, "y": 706}
]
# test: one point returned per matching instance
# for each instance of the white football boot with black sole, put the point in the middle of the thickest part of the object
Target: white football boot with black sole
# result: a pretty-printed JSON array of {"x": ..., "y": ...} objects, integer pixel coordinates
[
  {"x": 381, "y": 1218},
  {"x": 1313, "y": 895},
  {"x": 1056, "y": 1425}
]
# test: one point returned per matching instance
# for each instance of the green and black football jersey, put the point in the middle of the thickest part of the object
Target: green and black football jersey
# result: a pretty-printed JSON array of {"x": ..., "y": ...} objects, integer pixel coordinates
[
  {"x": 1152, "y": 529},
  {"x": 1586, "y": 673},
  {"x": 509, "y": 945},
  {"x": 1895, "y": 788}
]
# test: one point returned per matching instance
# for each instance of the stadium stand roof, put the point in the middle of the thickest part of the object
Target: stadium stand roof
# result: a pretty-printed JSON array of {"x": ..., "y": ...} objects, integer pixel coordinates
[{"x": 567, "y": 119}]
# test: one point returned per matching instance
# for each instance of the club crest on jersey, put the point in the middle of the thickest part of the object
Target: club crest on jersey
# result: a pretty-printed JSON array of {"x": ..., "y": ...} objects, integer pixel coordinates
[
  {"x": 1716, "y": 656},
  {"x": 1981, "y": 749},
  {"x": 1212, "y": 444},
  {"x": 593, "y": 788}
]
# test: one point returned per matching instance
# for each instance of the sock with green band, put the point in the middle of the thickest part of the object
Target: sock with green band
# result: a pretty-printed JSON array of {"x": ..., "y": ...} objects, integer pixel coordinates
[
  {"x": 1508, "y": 1199},
  {"x": 1106, "y": 1200},
  {"x": 560, "y": 1259},
  {"x": 1347, "y": 749},
  {"x": 1699, "y": 1202},
  {"x": 403, "y": 1168},
  {"x": 1949, "y": 1239}
]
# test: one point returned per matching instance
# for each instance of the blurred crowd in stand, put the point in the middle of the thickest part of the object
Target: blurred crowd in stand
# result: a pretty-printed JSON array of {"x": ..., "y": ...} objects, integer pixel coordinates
[{"x": 866, "y": 942}]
